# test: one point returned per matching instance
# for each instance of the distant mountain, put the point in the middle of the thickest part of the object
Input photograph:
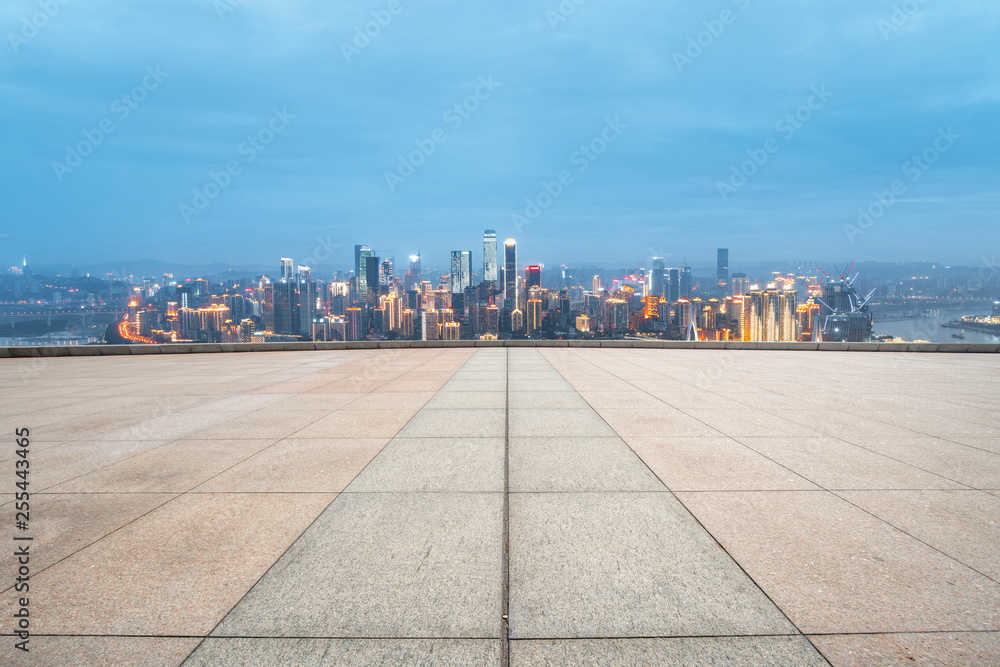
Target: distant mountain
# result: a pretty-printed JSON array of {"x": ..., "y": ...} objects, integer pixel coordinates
[{"x": 154, "y": 268}]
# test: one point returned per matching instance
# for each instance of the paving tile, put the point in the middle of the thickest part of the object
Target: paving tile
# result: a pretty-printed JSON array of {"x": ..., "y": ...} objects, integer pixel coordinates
[
  {"x": 555, "y": 422},
  {"x": 664, "y": 421},
  {"x": 435, "y": 464},
  {"x": 90, "y": 651},
  {"x": 938, "y": 649},
  {"x": 714, "y": 464},
  {"x": 385, "y": 565},
  {"x": 357, "y": 424},
  {"x": 66, "y": 523},
  {"x": 738, "y": 422},
  {"x": 299, "y": 465},
  {"x": 263, "y": 424},
  {"x": 834, "y": 568},
  {"x": 60, "y": 463},
  {"x": 472, "y": 400},
  {"x": 963, "y": 524},
  {"x": 358, "y": 652},
  {"x": 456, "y": 424},
  {"x": 690, "y": 651},
  {"x": 165, "y": 567},
  {"x": 390, "y": 401},
  {"x": 173, "y": 468},
  {"x": 834, "y": 464},
  {"x": 624, "y": 565},
  {"x": 540, "y": 385},
  {"x": 966, "y": 465},
  {"x": 543, "y": 464}
]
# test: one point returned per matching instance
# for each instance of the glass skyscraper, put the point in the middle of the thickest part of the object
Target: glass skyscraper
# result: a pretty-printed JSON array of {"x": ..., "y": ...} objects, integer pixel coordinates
[
  {"x": 490, "y": 256},
  {"x": 510, "y": 274}
]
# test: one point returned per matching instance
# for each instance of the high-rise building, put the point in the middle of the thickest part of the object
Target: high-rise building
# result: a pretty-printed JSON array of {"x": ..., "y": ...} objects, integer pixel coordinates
[
  {"x": 772, "y": 314},
  {"x": 510, "y": 274},
  {"x": 286, "y": 269},
  {"x": 361, "y": 255},
  {"x": 534, "y": 315},
  {"x": 490, "y": 256},
  {"x": 532, "y": 276},
  {"x": 722, "y": 268},
  {"x": 656, "y": 278},
  {"x": 596, "y": 285},
  {"x": 461, "y": 271},
  {"x": 685, "y": 282},
  {"x": 741, "y": 284},
  {"x": 673, "y": 285},
  {"x": 429, "y": 325}
]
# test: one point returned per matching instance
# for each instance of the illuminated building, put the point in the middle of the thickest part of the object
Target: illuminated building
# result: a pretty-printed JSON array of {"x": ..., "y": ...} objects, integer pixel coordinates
[
  {"x": 596, "y": 285},
  {"x": 246, "y": 331},
  {"x": 583, "y": 323},
  {"x": 516, "y": 320},
  {"x": 355, "y": 329},
  {"x": 406, "y": 324},
  {"x": 617, "y": 312},
  {"x": 490, "y": 257},
  {"x": 773, "y": 315},
  {"x": 532, "y": 276},
  {"x": 741, "y": 284},
  {"x": 685, "y": 282},
  {"x": 651, "y": 307},
  {"x": 510, "y": 274},
  {"x": 286, "y": 269},
  {"x": 807, "y": 315},
  {"x": 489, "y": 321},
  {"x": 429, "y": 325},
  {"x": 534, "y": 316},
  {"x": 451, "y": 331}
]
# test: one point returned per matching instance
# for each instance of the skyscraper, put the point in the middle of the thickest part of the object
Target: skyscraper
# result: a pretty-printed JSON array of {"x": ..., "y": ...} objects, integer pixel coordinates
[
  {"x": 361, "y": 255},
  {"x": 656, "y": 278},
  {"x": 532, "y": 276},
  {"x": 286, "y": 269},
  {"x": 510, "y": 274},
  {"x": 685, "y": 285},
  {"x": 674, "y": 286},
  {"x": 722, "y": 267},
  {"x": 490, "y": 256},
  {"x": 461, "y": 271}
]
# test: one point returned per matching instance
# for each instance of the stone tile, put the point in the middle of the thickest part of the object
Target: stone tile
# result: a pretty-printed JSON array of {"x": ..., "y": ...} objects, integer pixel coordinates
[
  {"x": 325, "y": 402},
  {"x": 691, "y": 651},
  {"x": 390, "y": 401},
  {"x": 739, "y": 422},
  {"x": 61, "y": 463},
  {"x": 167, "y": 425},
  {"x": 299, "y": 465},
  {"x": 543, "y": 464},
  {"x": 173, "y": 468},
  {"x": 65, "y": 523},
  {"x": 714, "y": 464},
  {"x": 472, "y": 400},
  {"x": 834, "y": 464},
  {"x": 963, "y": 524},
  {"x": 557, "y": 422},
  {"x": 966, "y": 465},
  {"x": 663, "y": 422},
  {"x": 471, "y": 385},
  {"x": 624, "y": 565},
  {"x": 357, "y": 424},
  {"x": 970, "y": 648},
  {"x": 529, "y": 400},
  {"x": 455, "y": 424},
  {"x": 90, "y": 651},
  {"x": 833, "y": 568},
  {"x": 165, "y": 567},
  {"x": 539, "y": 385},
  {"x": 385, "y": 565},
  {"x": 435, "y": 464},
  {"x": 263, "y": 424},
  {"x": 357, "y": 652}
]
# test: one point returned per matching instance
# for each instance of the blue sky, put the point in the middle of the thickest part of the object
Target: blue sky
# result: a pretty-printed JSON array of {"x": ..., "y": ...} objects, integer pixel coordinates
[{"x": 874, "y": 83}]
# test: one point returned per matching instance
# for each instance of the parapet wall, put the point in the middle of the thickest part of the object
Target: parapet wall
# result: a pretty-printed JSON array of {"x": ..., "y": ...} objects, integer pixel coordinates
[{"x": 195, "y": 348}]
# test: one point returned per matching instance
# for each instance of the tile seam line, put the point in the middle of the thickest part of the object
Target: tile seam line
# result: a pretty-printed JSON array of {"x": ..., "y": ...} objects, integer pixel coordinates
[
  {"x": 505, "y": 561},
  {"x": 299, "y": 537},
  {"x": 698, "y": 521}
]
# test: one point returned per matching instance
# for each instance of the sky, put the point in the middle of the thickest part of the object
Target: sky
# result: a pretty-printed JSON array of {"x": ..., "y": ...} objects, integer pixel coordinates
[{"x": 198, "y": 131}]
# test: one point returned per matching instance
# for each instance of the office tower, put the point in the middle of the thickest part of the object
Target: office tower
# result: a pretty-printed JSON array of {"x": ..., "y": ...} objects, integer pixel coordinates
[
  {"x": 596, "y": 285},
  {"x": 532, "y": 276},
  {"x": 741, "y": 284},
  {"x": 412, "y": 277},
  {"x": 361, "y": 255},
  {"x": 489, "y": 322},
  {"x": 490, "y": 256},
  {"x": 722, "y": 267},
  {"x": 267, "y": 291},
  {"x": 656, "y": 278},
  {"x": 286, "y": 308},
  {"x": 385, "y": 273},
  {"x": 510, "y": 274},
  {"x": 673, "y": 285},
  {"x": 564, "y": 308},
  {"x": 286, "y": 269},
  {"x": 461, "y": 271},
  {"x": 306, "y": 302},
  {"x": 685, "y": 282},
  {"x": 371, "y": 266}
]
